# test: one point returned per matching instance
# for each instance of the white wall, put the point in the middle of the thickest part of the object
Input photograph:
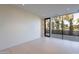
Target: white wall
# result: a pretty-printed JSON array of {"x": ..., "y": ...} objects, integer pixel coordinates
[{"x": 17, "y": 26}]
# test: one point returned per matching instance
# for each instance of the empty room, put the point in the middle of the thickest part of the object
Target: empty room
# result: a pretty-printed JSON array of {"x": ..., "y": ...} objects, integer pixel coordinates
[{"x": 39, "y": 29}]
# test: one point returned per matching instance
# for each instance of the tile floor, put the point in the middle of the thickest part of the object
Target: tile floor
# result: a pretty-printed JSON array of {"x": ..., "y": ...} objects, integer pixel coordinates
[{"x": 45, "y": 46}]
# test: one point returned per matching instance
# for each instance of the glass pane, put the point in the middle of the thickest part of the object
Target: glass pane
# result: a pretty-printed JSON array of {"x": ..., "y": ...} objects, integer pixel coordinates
[
  {"x": 76, "y": 27},
  {"x": 47, "y": 27},
  {"x": 71, "y": 27},
  {"x": 76, "y": 24},
  {"x": 64, "y": 27},
  {"x": 56, "y": 27},
  {"x": 67, "y": 24}
]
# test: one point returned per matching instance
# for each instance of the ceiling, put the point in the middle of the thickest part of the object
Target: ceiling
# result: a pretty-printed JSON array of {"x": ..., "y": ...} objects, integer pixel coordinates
[{"x": 50, "y": 10}]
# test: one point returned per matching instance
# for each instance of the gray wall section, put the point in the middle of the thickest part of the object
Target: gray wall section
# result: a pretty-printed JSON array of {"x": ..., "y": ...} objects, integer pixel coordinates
[{"x": 17, "y": 26}]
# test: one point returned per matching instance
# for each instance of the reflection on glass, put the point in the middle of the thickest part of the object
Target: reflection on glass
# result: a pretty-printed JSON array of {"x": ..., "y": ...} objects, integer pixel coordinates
[
  {"x": 57, "y": 25},
  {"x": 67, "y": 24},
  {"x": 76, "y": 24},
  {"x": 65, "y": 27},
  {"x": 47, "y": 27}
]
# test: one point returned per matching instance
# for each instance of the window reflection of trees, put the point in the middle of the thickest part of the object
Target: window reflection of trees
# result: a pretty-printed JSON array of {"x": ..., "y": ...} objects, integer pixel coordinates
[
  {"x": 70, "y": 24},
  {"x": 57, "y": 25},
  {"x": 67, "y": 24}
]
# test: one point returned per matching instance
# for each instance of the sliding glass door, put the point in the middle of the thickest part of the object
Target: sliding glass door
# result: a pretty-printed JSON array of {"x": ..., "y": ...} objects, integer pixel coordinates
[
  {"x": 71, "y": 27},
  {"x": 76, "y": 26},
  {"x": 67, "y": 26},
  {"x": 56, "y": 27},
  {"x": 47, "y": 27},
  {"x": 64, "y": 27}
]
